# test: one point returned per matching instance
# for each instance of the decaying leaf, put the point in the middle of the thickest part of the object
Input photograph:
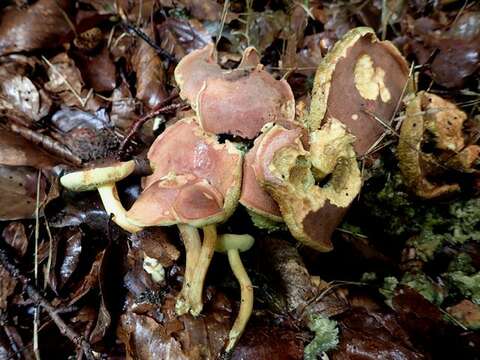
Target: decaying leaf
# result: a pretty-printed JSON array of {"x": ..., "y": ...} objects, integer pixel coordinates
[
  {"x": 7, "y": 287},
  {"x": 19, "y": 93},
  {"x": 149, "y": 72},
  {"x": 41, "y": 25},
  {"x": 444, "y": 121},
  {"x": 18, "y": 186},
  {"x": 15, "y": 236}
]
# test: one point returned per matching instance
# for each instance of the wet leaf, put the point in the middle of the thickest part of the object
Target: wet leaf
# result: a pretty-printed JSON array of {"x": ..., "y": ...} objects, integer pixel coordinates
[
  {"x": 144, "y": 339},
  {"x": 41, "y": 25},
  {"x": 18, "y": 186},
  {"x": 149, "y": 72},
  {"x": 15, "y": 236},
  {"x": 71, "y": 257},
  {"x": 372, "y": 335},
  {"x": 98, "y": 70},
  {"x": 124, "y": 107},
  {"x": 203, "y": 9},
  {"x": 155, "y": 244},
  {"x": 17, "y": 151},
  {"x": 269, "y": 342},
  {"x": 23, "y": 96},
  {"x": 7, "y": 287},
  {"x": 66, "y": 82},
  {"x": 89, "y": 282}
]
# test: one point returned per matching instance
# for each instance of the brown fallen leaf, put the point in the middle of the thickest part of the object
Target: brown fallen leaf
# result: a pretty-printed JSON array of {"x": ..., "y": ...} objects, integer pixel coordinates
[
  {"x": 15, "y": 236},
  {"x": 144, "y": 339},
  {"x": 17, "y": 151},
  {"x": 150, "y": 73},
  {"x": 89, "y": 282},
  {"x": 65, "y": 81},
  {"x": 41, "y": 25},
  {"x": 71, "y": 257},
  {"x": 98, "y": 70},
  {"x": 203, "y": 9},
  {"x": 18, "y": 186},
  {"x": 7, "y": 287},
  {"x": 155, "y": 244},
  {"x": 370, "y": 335},
  {"x": 20, "y": 94}
]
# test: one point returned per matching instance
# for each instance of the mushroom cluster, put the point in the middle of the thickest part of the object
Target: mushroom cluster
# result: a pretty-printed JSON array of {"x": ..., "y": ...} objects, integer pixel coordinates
[{"x": 300, "y": 172}]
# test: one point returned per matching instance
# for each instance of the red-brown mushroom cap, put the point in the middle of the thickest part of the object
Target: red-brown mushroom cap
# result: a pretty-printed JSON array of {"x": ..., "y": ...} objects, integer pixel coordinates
[
  {"x": 178, "y": 199},
  {"x": 242, "y": 102},
  {"x": 184, "y": 148},
  {"x": 359, "y": 79},
  {"x": 192, "y": 71},
  {"x": 253, "y": 196}
]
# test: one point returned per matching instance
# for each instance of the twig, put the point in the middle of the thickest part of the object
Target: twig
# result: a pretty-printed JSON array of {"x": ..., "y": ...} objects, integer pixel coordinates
[
  {"x": 161, "y": 108},
  {"x": 82, "y": 101},
  {"x": 164, "y": 55},
  {"x": 37, "y": 298},
  {"x": 36, "y": 314},
  {"x": 46, "y": 142}
]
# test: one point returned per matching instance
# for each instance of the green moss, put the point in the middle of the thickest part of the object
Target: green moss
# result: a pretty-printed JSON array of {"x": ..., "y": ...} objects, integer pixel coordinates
[
  {"x": 462, "y": 262},
  {"x": 265, "y": 223},
  {"x": 326, "y": 337},
  {"x": 424, "y": 286},
  {"x": 426, "y": 225},
  {"x": 468, "y": 285},
  {"x": 390, "y": 283},
  {"x": 418, "y": 281}
]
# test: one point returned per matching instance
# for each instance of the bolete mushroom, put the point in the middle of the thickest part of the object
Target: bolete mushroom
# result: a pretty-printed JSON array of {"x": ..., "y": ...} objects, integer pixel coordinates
[
  {"x": 370, "y": 75},
  {"x": 233, "y": 244},
  {"x": 293, "y": 176},
  {"x": 443, "y": 121},
  {"x": 258, "y": 202},
  {"x": 103, "y": 179},
  {"x": 220, "y": 96},
  {"x": 195, "y": 187}
]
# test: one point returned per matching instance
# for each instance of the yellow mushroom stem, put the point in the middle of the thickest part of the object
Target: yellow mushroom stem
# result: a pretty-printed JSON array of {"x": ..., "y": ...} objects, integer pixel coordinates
[
  {"x": 111, "y": 202},
  {"x": 246, "y": 302},
  {"x": 201, "y": 268},
  {"x": 192, "y": 243}
]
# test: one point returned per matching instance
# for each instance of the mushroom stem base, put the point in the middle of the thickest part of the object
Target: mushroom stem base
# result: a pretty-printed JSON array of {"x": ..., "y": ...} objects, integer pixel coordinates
[
  {"x": 204, "y": 259},
  {"x": 191, "y": 240},
  {"x": 111, "y": 202},
  {"x": 246, "y": 302}
]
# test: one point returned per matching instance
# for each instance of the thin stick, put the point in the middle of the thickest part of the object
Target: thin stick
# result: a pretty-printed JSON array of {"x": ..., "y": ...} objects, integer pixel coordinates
[
  {"x": 164, "y": 55},
  {"x": 82, "y": 101},
  {"x": 37, "y": 298},
  {"x": 36, "y": 313},
  {"x": 47, "y": 143}
]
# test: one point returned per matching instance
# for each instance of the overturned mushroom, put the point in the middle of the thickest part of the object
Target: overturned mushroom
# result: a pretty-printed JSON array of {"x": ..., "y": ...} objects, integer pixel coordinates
[
  {"x": 292, "y": 176},
  {"x": 232, "y": 244},
  {"x": 195, "y": 187},
  {"x": 103, "y": 179},
  {"x": 371, "y": 75},
  {"x": 423, "y": 112},
  {"x": 220, "y": 97}
]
